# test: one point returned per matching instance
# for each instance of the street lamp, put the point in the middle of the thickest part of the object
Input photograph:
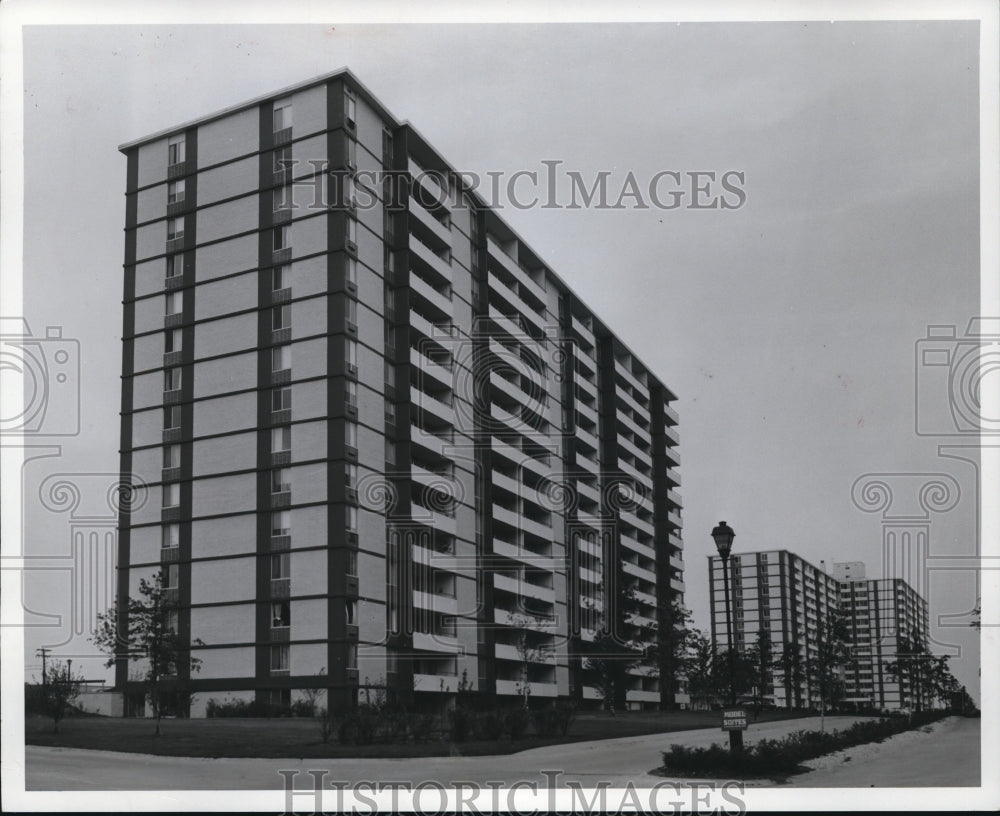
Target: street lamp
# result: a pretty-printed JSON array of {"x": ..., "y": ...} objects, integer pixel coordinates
[{"x": 724, "y": 535}]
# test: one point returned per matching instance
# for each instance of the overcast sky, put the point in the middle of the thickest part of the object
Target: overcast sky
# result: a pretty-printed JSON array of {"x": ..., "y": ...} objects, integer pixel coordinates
[{"x": 787, "y": 327}]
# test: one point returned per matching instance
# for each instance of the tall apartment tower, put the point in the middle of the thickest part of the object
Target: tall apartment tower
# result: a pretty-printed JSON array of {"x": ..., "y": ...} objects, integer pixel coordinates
[
  {"x": 779, "y": 593},
  {"x": 380, "y": 438},
  {"x": 885, "y": 617}
]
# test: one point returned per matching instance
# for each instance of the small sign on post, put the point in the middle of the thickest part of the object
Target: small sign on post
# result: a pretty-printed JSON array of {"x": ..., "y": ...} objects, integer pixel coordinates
[{"x": 734, "y": 719}]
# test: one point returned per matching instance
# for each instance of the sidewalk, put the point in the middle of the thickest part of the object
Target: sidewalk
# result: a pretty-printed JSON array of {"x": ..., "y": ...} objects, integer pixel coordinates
[{"x": 946, "y": 754}]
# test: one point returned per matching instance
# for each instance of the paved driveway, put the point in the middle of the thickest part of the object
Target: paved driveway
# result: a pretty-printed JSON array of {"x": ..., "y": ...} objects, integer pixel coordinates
[{"x": 615, "y": 761}]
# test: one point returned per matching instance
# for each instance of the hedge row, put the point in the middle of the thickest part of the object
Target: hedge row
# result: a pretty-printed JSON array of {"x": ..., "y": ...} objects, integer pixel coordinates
[{"x": 783, "y": 756}]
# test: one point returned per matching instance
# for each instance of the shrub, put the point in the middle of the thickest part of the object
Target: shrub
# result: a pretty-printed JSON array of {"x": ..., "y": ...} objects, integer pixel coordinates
[
  {"x": 515, "y": 723},
  {"x": 489, "y": 725},
  {"x": 784, "y": 756},
  {"x": 460, "y": 724},
  {"x": 554, "y": 721}
]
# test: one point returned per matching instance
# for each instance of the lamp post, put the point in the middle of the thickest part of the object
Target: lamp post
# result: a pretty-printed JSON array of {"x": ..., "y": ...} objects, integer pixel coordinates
[{"x": 724, "y": 535}]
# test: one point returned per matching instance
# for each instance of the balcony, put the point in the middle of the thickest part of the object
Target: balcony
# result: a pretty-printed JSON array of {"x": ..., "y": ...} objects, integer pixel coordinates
[
  {"x": 538, "y": 689},
  {"x": 639, "y": 572},
  {"x": 524, "y": 588},
  {"x": 515, "y": 270},
  {"x": 587, "y": 439},
  {"x": 506, "y": 651},
  {"x": 436, "y": 371},
  {"x": 518, "y": 306},
  {"x": 519, "y": 522},
  {"x": 435, "y": 603},
  {"x": 433, "y": 406},
  {"x": 433, "y": 192},
  {"x": 586, "y": 410},
  {"x": 429, "y": 262},
  {"x": 429, "y": 223},
  {"x": 673, "y": 457},
  {"x": 427, "y": 642},
  {"x": 431, "y": 296},
  {"x": 585, "y": 335},
  {"x": 625, "y": 371},
  {"x": 671, "y": 414},
  {"x": 670, "y": 432},
  {"x": 447, "y": 683}
]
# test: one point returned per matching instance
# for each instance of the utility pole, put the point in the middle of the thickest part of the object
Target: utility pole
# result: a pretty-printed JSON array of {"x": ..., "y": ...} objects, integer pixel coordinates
[{"x": 44, "y": 652}]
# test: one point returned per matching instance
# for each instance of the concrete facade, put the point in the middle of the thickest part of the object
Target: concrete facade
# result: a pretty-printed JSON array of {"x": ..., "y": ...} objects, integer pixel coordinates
[
  {"x": 383, "y": 439},
  {"x": 781, "y": 593}
]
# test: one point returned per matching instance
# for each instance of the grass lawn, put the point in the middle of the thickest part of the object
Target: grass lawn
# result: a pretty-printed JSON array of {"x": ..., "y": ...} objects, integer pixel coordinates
[{"x": 291, "y": 737}]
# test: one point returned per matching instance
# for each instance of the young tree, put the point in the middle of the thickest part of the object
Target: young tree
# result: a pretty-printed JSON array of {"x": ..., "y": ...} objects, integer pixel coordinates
[
  {"x": 59, "y": 691},
  {"x": 624, "y": 640},
  {"x": 700, "y": 670},
  {"x": 671, "y": 650},
  {"x": 791, "y": 665},
  {"x": 824, "y": 668},
  {"x": 530, "y": 649},
  {"x": 149, "y": 639},
  {"x": 911, "y": 668},
  {"x": 760, "y": 658}
]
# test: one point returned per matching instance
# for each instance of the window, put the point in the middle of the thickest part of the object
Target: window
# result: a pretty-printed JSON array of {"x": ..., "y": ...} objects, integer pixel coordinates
[
  {"x": 281, "y": 399},
  {"x": 281, "y": 358},
  {"x": 175, "y": 227},
  {"x": 171, "y": 494},
  {"x": 171, "y": 418},
  {"x": 351, "y": 661},
  {"x": 281, "y": 439},
  {"x": 172, "y": 379},
  {"x": 350, "y": 434},
  {"x": 352, "y": 154},
  {"x": 352, "y": 313},
  {"x": 281, "y": 523},
  {"x": 281, "y": 480},
  {"x": 352, "y": 231},
  {"x": 280, "y": 277},
  {"x": 171, "y": 576},
  {"x": 351, "y": 351},
  {"x": 281, "y": 317},
  {"x": 282, "y": 237},
  {"x": 281, "y": 614},
  {"x": 351, "y": 473},
  {"x": 172, "y": 340},
  {"x": 352, "y": 518},
  {"x": 279, "y": 658},
  {"x": 279, "y": 566},
  {"x": 351, "y": 393},
  {"x": 170, "y": 621},
  {"x": 282, "y": 197},
  {"x": 175, "y": 191},
  {"x": 390, "y": 452},
  {"x": 352, "y": 562},
  {"x": 352, "y": 270},
  {"x": 175, "y": 149},
  {"x": 175, "y": 265},
  {"x": 171, "y": 536},
  {"x": 171, "y": 456},
  {"x": 173, "y": 304},
  {"x": 350, "y": 611},
  {"x": 350, "y": 108},
  {"x": 281, "y": 159},
  {"x": 282, "y": 114}
]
